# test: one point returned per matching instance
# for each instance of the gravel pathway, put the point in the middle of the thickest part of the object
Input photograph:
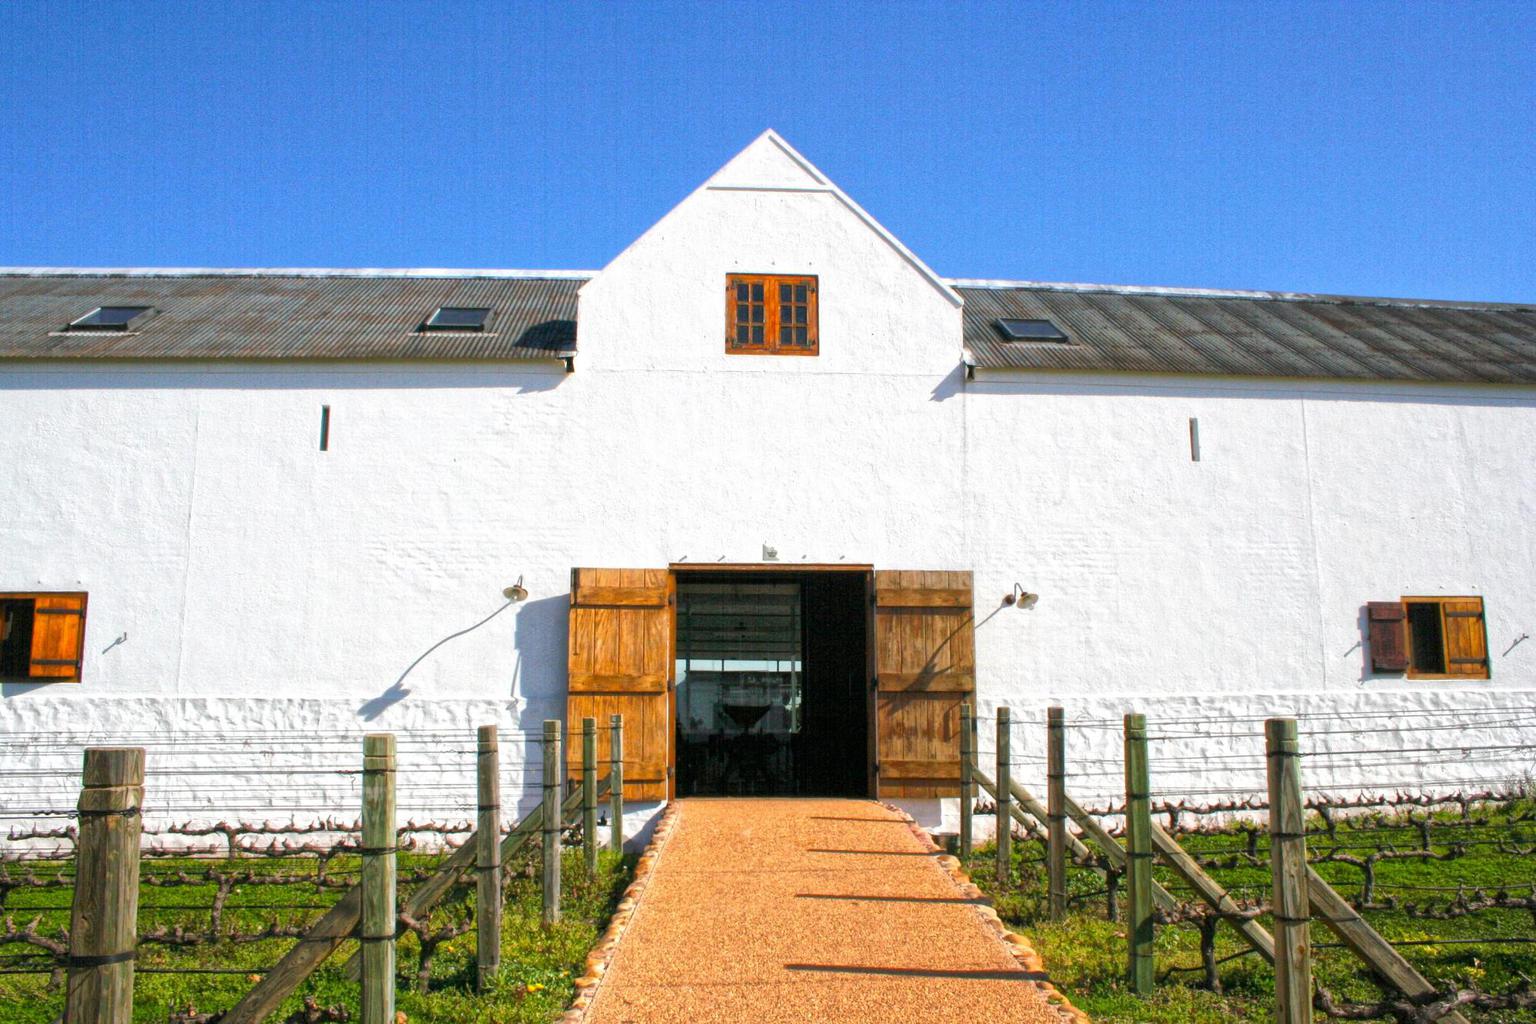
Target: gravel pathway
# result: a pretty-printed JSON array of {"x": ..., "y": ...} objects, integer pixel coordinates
[{"x": 809, "y": 910}]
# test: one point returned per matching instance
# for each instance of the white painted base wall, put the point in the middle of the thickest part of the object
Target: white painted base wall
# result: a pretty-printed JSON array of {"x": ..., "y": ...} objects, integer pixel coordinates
[{"x": 271, "y": 591}]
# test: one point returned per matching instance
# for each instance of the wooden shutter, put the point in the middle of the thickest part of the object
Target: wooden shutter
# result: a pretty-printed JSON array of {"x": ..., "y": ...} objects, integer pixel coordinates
[
  {"x": 621, "y": 664},
  {"x": 58, "y": 636},
  {"x": 925, "y": 668},
  {"x": 1466, "y": 637},
  {"x": 1387, "y": 635}
]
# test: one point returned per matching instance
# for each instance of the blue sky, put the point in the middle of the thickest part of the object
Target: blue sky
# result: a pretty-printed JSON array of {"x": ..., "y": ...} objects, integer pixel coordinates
[{"x": 1362, "y": 148}]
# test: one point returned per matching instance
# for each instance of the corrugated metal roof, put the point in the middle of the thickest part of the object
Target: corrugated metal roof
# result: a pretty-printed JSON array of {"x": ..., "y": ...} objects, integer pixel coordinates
[
  {"x": 1253, "y": 334},
  {"x": 376, "y": 314},
  {"x": 299, "y": 315}
]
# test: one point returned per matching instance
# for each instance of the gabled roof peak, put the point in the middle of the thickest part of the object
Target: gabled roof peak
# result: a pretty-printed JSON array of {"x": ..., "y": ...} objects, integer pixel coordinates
[{"x": 770, "y": 164}]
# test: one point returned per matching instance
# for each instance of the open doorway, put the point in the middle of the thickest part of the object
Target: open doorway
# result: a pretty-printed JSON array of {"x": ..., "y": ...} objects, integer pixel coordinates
[{"x": 772, "y": 694}]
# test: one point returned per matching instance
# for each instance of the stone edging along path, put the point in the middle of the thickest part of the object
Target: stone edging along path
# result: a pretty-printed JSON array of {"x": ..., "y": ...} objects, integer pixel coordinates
[
  {"x": 738, "y": 938},
  {"x": 1018, "y": 945},
  {"x": 602, "y": 953}
]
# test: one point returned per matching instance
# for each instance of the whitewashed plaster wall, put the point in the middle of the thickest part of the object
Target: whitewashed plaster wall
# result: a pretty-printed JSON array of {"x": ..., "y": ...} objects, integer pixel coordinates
[
  {"x": 1234, "y": 587},
  {"x": 270, "y": 589},
  {"x": 193, "y": 503}
]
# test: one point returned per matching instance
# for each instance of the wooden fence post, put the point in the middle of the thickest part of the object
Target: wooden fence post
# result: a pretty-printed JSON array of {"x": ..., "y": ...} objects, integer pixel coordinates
[
  {"x": 553, "y": 820},
  {"x": 103, "y": 921},
  {"x": 377, "y": 928},
  {"x": 1056, "y": 813},
  {"x": 967, "y": 787},
  {"x": 1288, "y": 873},
  {"x": 1141, "y": 968},
  {"x": 589, "y": 793},
  {"x": 487, "y": 858},
  {"x": 1004, "y": 795},
  {"x": 616, "y": 782}
]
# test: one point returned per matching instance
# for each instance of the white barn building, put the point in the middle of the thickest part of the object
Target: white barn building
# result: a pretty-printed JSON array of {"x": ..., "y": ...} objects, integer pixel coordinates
[{"x": 767, "y": 479}]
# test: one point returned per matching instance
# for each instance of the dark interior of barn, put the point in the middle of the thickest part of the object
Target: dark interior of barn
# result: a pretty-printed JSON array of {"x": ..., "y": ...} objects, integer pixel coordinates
[{"x": 771, "y": 684}]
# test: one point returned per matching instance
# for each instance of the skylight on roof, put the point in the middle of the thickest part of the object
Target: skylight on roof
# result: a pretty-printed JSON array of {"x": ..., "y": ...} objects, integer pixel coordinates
[
  {"x": 1030, "y": 330},
  {"x": 109, "y": 318},
  {"x": 458, "y": 318}
]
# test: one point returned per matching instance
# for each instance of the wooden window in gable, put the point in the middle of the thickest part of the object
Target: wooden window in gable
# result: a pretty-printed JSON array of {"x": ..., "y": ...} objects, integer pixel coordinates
[
  {"x": 1429, "y": 637},
  {"x": 770, "y": 314},
  {"x": 42, "y": 637}
]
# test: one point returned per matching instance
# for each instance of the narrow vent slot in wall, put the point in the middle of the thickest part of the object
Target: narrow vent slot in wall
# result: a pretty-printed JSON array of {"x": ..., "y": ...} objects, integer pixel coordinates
[
  {"x": 1194, "y": 439},
  {"x": 325, "y": 428}
]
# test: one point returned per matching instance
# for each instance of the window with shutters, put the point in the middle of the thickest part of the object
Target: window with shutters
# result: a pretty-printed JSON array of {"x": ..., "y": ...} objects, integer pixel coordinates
[
  {"x": 770, "y": 314},
  {"x": 1429, "y": 637},
  {"x": 42, "y": 637}
]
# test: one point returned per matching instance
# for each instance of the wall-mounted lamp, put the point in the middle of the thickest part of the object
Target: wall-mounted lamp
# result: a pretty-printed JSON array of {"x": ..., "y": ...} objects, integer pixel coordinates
[
  {"x": 516, "y": 592},
  {"x": 1021, "y": 597}
]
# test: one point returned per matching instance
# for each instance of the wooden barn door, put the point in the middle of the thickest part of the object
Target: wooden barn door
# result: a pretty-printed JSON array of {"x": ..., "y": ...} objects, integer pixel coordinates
[
  {"x": 621, "y": 663},
  {"x": 925, "y": 668}
]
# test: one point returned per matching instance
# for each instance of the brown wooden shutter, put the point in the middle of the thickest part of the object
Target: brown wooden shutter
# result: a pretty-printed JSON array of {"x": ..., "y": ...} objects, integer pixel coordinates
[
  {"x": 621, "y": 664},
  {"x": 1387, "y": 635},
  {"x": 1466, "y": 637},
  {"x": 58, "y": 636},
  {"x": 925, "y": 668}
]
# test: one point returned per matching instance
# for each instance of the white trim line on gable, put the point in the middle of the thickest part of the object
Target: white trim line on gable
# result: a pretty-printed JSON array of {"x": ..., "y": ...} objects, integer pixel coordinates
[
  {"x": 770, "y": 188},
  {"x": 858, "y": 211},
  {"x": 794, "y": 154}
]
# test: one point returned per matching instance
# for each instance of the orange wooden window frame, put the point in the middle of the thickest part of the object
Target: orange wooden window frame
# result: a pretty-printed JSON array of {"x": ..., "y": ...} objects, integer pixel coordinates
[
  {"x": 1440, "y": 602},
  {"x": 771, "y": 315}
]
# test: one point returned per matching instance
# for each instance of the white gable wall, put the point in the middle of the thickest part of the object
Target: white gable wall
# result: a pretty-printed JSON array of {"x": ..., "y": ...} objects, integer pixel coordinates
[{"x": 660, "y": 304}]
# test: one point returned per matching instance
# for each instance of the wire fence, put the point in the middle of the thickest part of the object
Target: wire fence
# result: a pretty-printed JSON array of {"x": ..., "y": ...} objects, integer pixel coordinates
[
  {"x": 1424, "y": 821},
  {"x": 214, "y": 876}
]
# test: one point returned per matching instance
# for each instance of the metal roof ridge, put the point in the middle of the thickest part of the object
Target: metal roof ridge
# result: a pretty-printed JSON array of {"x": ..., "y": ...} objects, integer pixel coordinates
[
  {"x": 358, "y": 272},
  {"x": 1233, "y": 293}
]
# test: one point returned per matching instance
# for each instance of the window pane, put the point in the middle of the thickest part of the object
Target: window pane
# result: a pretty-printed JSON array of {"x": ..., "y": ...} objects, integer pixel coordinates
[
  {"x": 741, "y": 293},
  {"x": 757, "y": 292},
  {"x": 110, "y": 317},
  {"x": 757, "y": 314},
  {"x": 802, "y": 336},
  {"x": 757, "y": 335},
  {"x": 1426, "y": 641},
  {"x": 800, "y": 293},
  {"x": 786, "y": 335},
  {"x": 743, "y": 333},
  {"x": 460, "y": 317},
  {"x": 785, "y": 291},
  {"x": 743, "y": 312},
  {"x": 1016, "y": 329}
]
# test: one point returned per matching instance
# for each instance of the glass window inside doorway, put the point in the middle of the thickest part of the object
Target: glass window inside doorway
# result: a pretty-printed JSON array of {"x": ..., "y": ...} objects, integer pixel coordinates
[{"x": 740, "y": 672}]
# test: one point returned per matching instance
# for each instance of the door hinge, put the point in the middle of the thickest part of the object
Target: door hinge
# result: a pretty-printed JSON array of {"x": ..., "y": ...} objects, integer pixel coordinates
[
  {"x": 877, "y": 767},
  {"x": 874, "y": 684}
]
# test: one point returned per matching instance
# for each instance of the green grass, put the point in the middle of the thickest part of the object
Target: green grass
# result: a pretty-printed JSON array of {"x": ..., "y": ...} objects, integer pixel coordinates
[
  {"x": 534, "y": 985},
  {"x": 1086, "y": 953}
]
